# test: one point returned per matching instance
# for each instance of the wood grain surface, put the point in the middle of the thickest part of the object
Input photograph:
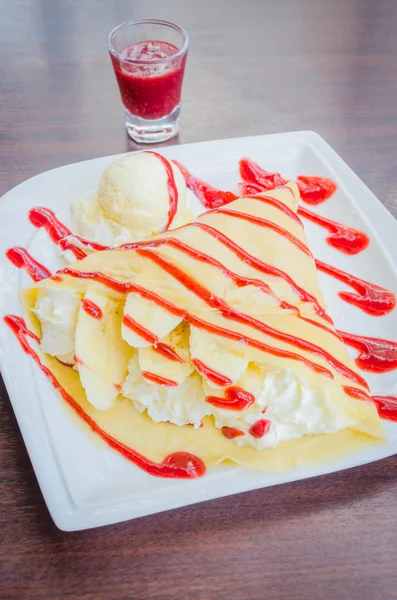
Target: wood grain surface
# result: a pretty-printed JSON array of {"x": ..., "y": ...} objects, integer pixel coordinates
[{"x": 254, "y": 67}]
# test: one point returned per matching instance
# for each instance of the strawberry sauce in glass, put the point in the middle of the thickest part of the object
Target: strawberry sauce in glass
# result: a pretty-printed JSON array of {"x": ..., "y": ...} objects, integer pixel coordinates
[{"x": 149, "y": 60}]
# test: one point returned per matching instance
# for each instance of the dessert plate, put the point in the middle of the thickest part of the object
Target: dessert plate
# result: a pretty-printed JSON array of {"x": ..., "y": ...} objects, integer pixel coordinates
[{"x": 86, "y": 484}]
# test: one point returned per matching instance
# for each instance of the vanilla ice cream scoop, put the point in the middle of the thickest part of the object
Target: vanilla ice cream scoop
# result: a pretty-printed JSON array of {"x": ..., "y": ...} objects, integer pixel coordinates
[
  {"x": 139, "y": 195},
  {"x": 143, "y": 192}
]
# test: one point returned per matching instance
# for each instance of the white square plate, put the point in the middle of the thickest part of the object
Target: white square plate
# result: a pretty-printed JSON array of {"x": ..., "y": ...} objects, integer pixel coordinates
[{"x": 86, "y": 485}]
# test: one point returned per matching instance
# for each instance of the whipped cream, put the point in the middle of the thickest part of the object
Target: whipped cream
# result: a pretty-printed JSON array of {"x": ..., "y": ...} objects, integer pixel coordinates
[
  {"x": 57, "y": 311},
  {"x": 293, "y": 408},
  {"x": 183, "y": 405}
]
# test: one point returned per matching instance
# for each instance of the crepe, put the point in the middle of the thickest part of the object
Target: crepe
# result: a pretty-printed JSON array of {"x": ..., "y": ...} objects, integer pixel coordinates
[{"x": 205, "y": 323}]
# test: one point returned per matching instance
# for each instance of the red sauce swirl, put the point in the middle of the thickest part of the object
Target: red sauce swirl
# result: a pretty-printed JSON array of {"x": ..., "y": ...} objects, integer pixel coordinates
[
  {"x": 91, "y": 309},
  {"x": 235, "y": 398},
  {"x": 21, "y": 259}
]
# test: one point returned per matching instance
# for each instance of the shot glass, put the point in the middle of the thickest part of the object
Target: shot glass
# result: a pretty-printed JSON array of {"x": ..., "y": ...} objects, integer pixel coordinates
[{"x": 149, "y": 58}]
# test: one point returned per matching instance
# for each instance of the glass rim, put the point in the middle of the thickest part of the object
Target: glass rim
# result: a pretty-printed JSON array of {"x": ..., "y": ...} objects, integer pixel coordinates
[{"x": 117, "y": 54}]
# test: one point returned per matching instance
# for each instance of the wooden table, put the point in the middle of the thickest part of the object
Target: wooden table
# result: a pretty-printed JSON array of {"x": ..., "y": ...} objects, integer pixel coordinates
[{"x": 254, "y": 67}]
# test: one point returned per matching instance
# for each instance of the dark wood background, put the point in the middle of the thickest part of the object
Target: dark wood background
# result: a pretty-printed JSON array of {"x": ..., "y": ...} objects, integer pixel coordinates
[{"x": 254, "y": 67}]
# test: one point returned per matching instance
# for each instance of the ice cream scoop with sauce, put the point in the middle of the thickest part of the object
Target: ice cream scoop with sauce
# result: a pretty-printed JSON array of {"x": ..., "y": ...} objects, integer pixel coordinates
[{"x": 140, "y": 195}]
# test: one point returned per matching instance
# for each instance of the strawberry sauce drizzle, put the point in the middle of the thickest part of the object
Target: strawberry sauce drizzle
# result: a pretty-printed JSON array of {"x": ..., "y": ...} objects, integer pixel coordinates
[
  {"x": 313, "y": 190},
  {"x": 276, "y": 204},
  {"x": 263, "y": 267},
  {"x": 370, "y": 298},
  {"x": 167, "y": 352},
  {"x": 88, "y": 243},
  {"x": 232, "y": 314},
  {"x": 250, "y": 189},
  {"x": 91, "y": 309},
  {"x": 153, "y": 340},
  {"x": 210, "y": 197},
  {"x": 178, "y": 465},
  {"x": 231, "y": 432},
  {"x": 210, "y": 374},
  {"x": 356, "y": 394},
  {"x": 21, "y": 259},
  {"x": 376, "y": 355},
  {"x": 239, "y": 280},
  {"x": 260, "y": 428},
  {"x": 68, "y": 243},
  {"x": 387, "y": 407},
  {"x": 268, "y": 225},
  {"x": 172, "y": 187},
  {"x": 235, "y": 398},
  {"x": 158, "y": 379},
  {"x": 345, "y": 239},
  {"x": 196, "y": 186},
  {"x": 44, "y": 217}
]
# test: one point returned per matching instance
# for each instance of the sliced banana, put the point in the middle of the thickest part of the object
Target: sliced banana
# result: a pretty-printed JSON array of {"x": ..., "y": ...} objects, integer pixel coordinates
[
  {"x": 145, "y": 317},
  {"x": 162, "y": 359},
  {"x": 57, "y": 311},
  {"x": 102, "y": 356},
  {"x": 212, "y": 361}
]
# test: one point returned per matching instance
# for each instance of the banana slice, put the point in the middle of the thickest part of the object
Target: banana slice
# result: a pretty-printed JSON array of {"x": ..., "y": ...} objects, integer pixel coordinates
[
  {"x": 57, "y": 311},
  {"x": 219, "y": 367},
  {"x": 145, "y": 322},
  {"x": 170, "y": 358},
  {"x": 102, "y": 356}
]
